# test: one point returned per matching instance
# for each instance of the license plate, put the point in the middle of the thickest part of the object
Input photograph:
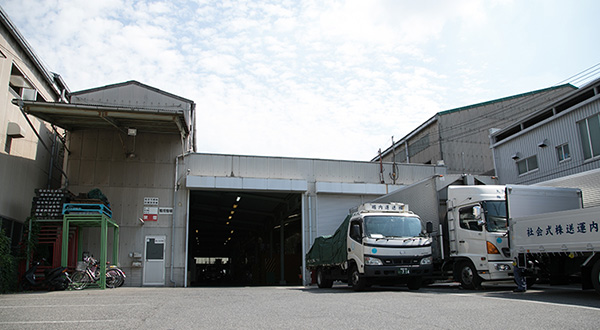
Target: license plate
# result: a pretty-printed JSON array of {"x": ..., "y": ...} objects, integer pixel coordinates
[{"x": 403, "y": 271}]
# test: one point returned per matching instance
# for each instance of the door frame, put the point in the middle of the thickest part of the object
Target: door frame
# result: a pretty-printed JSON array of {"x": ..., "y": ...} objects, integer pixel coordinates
[{"x": 145, "y": 269}]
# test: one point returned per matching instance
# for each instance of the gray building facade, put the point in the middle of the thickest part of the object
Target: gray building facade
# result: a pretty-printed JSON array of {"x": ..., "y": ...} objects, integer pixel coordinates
[
  {"x": 31, "y": 156},
  {"x": 558, "y": 141},
  {"x": 459, "y": 138}
]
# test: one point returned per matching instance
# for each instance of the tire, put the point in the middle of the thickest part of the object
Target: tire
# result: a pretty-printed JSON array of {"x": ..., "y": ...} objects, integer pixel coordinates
[
  {"x": 530, "y": 280},
  {"x": 80, "y": 280},
  {"x": 414, "y": 283},
  {"x": 467, "y": 275},
  {"x": 113, "y": 278},
  {"x": 322, "y": 281},
  {"x": 596, "y": 276},
  {"x": 356, "y": 280}
]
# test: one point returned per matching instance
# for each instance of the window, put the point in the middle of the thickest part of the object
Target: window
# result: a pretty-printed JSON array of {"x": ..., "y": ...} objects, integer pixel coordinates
[
  {"x": 589, "y": 130},
  {"x": 527, "y": 165},
  {"x": 467, "y": 219},
  {"x": 356, "y": 231},
  {"x": 563, "y": 152}
]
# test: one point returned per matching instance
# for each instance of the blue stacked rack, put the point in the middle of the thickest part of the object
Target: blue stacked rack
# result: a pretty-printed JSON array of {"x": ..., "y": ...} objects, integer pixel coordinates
[{"x": 84, "y": 208}]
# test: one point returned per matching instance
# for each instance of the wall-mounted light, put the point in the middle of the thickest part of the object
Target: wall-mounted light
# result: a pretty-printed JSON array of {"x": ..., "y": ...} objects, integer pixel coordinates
[
  {"x": 131, "y": 131},
  {"x": 516, "y": 156},
  {"x": 543, "y": 144}
]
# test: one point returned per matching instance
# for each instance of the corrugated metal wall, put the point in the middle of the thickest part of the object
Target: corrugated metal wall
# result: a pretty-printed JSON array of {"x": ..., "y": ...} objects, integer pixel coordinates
[
  {"x": 560, "y": 130},
  {"x": 98, "y": 160},
  {"x": 311, "y": 170},
  {"x": 460, "y": 137}
]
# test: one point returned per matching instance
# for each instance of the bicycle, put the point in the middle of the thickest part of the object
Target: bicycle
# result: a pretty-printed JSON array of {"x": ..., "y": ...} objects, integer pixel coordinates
[{"x": 88, "y": 272}]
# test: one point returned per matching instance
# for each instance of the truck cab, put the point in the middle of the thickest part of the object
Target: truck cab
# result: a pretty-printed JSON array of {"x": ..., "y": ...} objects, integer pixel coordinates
[
  {"x": 387, "y": 243},
  {"x": 477, "y": 230}
]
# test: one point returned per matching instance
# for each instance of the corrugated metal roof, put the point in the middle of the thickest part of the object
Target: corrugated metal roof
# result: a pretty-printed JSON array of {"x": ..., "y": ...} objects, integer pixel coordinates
[
  {"x": 505, "y": 99},
  {"x": 77, "y": 116}
]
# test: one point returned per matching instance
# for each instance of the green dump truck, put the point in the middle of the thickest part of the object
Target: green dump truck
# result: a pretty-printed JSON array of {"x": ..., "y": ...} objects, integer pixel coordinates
[{"x": 377, "y": 243}]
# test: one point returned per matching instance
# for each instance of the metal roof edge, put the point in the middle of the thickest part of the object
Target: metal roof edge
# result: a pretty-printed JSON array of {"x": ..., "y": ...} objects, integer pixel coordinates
[
  {"x": 507, "y": 98},
  {"x": 550, "y": 105},
  {"x": 445, "y": 112},
  {"x": 132, "y": 82},
  {"x": 428, "y": 122}
]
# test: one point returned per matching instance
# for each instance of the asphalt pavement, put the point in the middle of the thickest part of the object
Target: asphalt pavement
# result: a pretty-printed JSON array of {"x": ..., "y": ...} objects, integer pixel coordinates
[{"x": 443, "y": 306}]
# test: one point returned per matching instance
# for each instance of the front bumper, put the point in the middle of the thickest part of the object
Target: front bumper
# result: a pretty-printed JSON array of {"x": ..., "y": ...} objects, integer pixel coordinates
[
  {"x": 501, "y": 270},
  {"x": 398, "y": 271}
]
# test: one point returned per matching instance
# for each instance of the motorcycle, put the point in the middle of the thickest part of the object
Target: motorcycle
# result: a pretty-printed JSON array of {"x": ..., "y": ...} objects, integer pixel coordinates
[{"x": 54, "y": 278}]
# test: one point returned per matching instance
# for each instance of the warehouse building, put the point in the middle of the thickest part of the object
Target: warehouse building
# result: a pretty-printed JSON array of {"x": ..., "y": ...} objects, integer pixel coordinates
[
  {"x": 459, "y": 138},
  {"x": 201, "y": 219}
]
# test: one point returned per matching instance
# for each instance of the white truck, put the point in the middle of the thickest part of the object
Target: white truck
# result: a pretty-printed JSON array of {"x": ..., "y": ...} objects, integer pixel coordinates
[
  {"x": 558, "y": 245},
  {"x": 469, "y": 215},
  {"x": 377, "y": 243}
]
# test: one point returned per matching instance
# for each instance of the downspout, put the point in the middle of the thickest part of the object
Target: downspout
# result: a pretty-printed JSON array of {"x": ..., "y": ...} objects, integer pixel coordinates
[
  {"x": 173, "y": 221},
  {"x": 175, "y": 188}
]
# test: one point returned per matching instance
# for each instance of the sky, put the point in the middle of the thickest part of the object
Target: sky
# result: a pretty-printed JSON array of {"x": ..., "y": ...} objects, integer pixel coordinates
[{"x": 315, "y": 79}]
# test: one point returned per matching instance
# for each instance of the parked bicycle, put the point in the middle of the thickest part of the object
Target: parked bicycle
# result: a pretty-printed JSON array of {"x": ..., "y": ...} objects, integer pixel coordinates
[{"x": 88, "y": 272}]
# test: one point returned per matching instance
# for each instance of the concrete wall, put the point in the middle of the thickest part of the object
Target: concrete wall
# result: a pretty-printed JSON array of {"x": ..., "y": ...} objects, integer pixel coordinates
[{"x": 24, "y": 162}]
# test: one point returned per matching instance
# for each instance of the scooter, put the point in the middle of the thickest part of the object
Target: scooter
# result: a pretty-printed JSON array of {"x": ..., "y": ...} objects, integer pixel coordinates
[{"x": 54, "y": 279}]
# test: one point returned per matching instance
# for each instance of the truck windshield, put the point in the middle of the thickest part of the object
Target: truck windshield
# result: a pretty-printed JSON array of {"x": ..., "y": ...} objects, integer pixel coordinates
[
  {"x": 392, "y": 226},
  {"x": 495, "y": 215}
]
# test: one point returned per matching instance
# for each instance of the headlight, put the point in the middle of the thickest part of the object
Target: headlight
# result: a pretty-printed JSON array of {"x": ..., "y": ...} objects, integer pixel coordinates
[
  {"x": 502, "y": 267},
  {"x": 373, "y": 261},
  {"x": 426, "y": 261}
]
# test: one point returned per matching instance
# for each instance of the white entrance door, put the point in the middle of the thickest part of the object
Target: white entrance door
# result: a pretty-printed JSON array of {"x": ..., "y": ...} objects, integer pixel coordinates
[{"x": 154, "y": 260}]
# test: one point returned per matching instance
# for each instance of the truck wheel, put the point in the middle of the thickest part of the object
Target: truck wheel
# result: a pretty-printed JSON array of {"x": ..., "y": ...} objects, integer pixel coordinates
[
  {"x": 322, "y": 281},
  {"x": 357, "y": 282},
  {"x": 596, "y": 276},
  {"x": 414, "y": 283},
  {"x": 466, "y": 274}
]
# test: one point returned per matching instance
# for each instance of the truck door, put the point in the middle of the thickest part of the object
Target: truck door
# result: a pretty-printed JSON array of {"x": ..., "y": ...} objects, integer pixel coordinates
[
  {"x": 470, "y": 236},
  {"x": 355, "y": 246}
]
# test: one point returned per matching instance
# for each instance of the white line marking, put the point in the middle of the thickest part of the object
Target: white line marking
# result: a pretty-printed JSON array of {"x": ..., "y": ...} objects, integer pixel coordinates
[
  {"x": 58, "y": 322},
  {"x": 54, "y": 306},
  {"x": 531, "y": 301}
]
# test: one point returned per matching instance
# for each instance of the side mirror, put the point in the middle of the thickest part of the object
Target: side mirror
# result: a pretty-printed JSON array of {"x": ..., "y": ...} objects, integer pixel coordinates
[
  {"x": 477, "y": 212},
  {"x": 429, "y": 227},
  {"x": 478, "y": 215}
]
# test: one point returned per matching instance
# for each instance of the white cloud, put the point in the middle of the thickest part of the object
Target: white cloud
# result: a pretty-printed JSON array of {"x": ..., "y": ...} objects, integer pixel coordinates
[{"x": 310, "y": 78}]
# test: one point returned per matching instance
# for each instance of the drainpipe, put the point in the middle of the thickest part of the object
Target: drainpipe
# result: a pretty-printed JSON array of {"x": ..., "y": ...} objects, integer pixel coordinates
[{"x": 173, "y": 221}]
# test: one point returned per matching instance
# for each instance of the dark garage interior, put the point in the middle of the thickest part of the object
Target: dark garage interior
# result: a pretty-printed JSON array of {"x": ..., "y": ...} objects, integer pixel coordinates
[{"x": 236, "y": 238}]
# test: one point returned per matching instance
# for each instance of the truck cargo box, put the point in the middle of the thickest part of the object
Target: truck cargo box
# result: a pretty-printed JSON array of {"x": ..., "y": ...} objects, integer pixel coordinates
[{"x": 558, "y": 232}]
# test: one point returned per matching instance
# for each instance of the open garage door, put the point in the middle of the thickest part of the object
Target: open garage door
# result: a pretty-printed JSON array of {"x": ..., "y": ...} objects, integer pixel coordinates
[{"x": 244, "y": 238}]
